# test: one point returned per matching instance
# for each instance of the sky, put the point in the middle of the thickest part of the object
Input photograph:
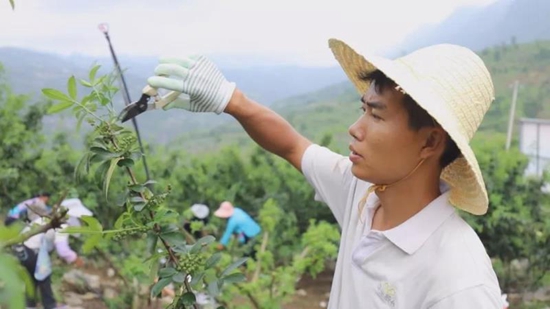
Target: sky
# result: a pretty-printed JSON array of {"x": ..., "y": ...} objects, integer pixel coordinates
[{"x": 283, "y": 31}]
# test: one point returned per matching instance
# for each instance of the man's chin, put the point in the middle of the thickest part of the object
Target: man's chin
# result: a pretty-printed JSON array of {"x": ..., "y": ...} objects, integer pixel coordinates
[{"x": 360, "y": 173}]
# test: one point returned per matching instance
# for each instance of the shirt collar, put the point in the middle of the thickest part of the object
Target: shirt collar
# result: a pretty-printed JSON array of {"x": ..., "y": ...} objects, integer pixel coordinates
[{"x": 410, "y": 235}]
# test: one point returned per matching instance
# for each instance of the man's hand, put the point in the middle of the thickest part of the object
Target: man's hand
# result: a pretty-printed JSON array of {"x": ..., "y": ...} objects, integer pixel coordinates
[
  {"x": 204, "y": 87},
  {"x": 79, "y": 262},
  {"x": 220, "y": 247}
]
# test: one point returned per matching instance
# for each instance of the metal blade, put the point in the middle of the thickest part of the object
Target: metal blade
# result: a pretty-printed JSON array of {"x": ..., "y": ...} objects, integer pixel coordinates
[{"x": 135, "y": 108}]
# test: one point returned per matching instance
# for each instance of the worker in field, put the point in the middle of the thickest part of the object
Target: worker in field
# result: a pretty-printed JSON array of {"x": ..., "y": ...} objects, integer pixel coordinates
[
  {"x": 199, "y": 213},
  {"x": 239, "y": 224},
  {"x": 34, "y": 253},
  {"x": 403, "y": 244},
  {"x": 29, "y": 209}
]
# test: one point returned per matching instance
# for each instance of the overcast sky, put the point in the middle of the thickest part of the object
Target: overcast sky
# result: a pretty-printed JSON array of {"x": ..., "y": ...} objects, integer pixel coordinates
[{"x": 294, "y": 30}]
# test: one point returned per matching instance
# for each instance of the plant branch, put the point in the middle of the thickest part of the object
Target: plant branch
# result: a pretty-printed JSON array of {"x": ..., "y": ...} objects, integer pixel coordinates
[
  {"x": 262, "y": 250},
  {"x": 87, "y": 110},
  {"x": 253, "y": 299},
  {"x": 55, "y": 222},
  {"x": 171, "y": 254}
]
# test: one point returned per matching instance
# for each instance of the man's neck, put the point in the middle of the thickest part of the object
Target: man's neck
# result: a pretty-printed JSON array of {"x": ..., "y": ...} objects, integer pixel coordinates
[{"x": 400, "y": 202}]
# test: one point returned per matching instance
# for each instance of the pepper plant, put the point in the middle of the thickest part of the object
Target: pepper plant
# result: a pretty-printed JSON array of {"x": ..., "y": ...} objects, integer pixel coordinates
[{"x": 190, "y": 265}]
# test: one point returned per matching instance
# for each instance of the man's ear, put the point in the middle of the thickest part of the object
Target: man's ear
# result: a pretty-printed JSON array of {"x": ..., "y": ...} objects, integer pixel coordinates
[{"x": 434, "y": 143}]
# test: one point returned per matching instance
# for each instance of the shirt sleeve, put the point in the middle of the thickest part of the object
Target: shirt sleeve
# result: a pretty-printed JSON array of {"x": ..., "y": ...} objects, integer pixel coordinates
[
  {"x": 330, "y": 175},
  {"x": 479, "y": 297},
  {"x": 231, "y": 225},
  {"x": 62, "y": 247}
]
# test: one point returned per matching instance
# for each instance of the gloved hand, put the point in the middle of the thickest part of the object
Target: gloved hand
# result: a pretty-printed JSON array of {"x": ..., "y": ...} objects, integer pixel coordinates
[{"x": 197, "y": 77}]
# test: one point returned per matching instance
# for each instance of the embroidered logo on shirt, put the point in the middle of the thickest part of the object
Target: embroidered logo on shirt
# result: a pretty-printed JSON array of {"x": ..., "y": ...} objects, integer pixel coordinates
[{"x": 387, "y": 292}]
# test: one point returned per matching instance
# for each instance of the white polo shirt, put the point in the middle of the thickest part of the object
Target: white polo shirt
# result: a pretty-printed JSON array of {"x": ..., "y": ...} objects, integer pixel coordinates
[{"x": 434, "y": 260}]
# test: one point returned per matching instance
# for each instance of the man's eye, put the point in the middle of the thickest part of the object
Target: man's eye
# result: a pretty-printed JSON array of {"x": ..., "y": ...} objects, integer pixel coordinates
[{"x": 375, "y": 117}]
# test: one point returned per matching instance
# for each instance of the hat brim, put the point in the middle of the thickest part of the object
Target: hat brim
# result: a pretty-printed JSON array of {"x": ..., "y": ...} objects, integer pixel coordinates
[
  {"x": 223, "y": 213},
  {"x": 464, "y": 174}
]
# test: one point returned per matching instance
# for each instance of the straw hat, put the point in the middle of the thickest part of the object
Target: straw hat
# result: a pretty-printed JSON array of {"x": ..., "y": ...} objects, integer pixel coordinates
[
  {"x": 225, "y": 210},
  {"x": 454, "y": 86}
]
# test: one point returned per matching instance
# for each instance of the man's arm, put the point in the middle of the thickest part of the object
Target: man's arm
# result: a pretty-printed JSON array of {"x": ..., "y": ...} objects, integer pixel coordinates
[
  {"x": 268, "y": 129},
  {"x": 228, "y": 232},
  {"x": 479, "y": 297}
]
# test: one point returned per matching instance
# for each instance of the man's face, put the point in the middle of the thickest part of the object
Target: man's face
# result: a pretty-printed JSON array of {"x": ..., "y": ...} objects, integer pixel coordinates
[{"x": 384, "y": 149}]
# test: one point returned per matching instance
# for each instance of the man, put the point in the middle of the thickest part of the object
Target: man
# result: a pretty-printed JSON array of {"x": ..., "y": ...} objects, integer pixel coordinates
[
  {"x": 239, "y": 223},
  {"x": 403, "y": 245},
  {"x": 29, "y": 208},
  {"x": 33, "y": 254}
]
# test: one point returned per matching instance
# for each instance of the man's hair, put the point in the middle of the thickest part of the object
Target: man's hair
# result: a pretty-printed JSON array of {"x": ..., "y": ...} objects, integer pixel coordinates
[
  {"x": 418, "y": 117},
  {"x": 46, "y": 194}
]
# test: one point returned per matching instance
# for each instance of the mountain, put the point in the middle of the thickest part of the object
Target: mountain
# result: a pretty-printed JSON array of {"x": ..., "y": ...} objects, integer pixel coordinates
[
  {"x": 27, "y": 72},
  {"x": 325, "y": 115},
  {"x": 503, "y": 22}
]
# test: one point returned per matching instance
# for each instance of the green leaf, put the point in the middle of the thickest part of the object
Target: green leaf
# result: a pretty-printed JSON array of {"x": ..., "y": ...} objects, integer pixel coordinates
[
  {"x": 9, "y": 232},
  {"x": 12, "y": 3},
  {"x": 56, "y": 108},
  {"x": 152, "y": 240},
  {"x": 202, "y": 242},
  {"x": 188, "y": 299},
  {"x": 92, "y": 223},
  {"x": 120, "y": 220},
  {"x": 80, "y": 166},
  {"x": 12, "y": 292},
  {"x": 126, "y": 162},
  {"x": 154, "y": 268},
  {"x": 233, "y": 266},
  {"x": 108, "y": 175},
  {"x": 93, "y": 72},
  {"x": 85, "y": 83},
  {"x": 213, "y": 288},
  {"x": 234, "y": 278},
  {"x": 137, "y": 188},
  {"x": 197, "y": 279},
  {"x": 55, "y": 94},
  {"x": 139, "y": 206},
  {"x": 104, "y": 153},
  {"x": 100, "y": 171},
  {"x": 167, "y": 272},
  {"x": 91, "y": 242},
  {"x": 71, "y": 87},
  {"x": 213, "y": 260},
  {"x": 181, "y": 248},
  {"x": 79, "y": 122},
  {"x": 161, "y": 284},
  {"x": 175, "y": 238},
  {"x": 179, "y": 277}
]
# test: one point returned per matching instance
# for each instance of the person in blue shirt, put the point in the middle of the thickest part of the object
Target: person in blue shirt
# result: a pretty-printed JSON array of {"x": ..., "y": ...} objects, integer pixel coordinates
[{"x": 238, "y": 223}]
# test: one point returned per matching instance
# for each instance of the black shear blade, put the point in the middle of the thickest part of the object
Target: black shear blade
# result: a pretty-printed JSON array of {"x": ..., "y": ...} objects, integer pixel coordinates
[{"x": 135, "y": 108}]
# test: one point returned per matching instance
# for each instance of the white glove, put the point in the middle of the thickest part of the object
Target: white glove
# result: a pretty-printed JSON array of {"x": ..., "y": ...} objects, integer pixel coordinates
[{"x": 198, "y": 78}]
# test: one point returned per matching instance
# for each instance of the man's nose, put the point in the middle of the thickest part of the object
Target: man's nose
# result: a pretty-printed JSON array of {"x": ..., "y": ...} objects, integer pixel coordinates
[{"x": 356, "y": 131}]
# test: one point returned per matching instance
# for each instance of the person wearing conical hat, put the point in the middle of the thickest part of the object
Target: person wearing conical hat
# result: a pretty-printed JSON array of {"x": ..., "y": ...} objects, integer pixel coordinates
[
  {"x": 240, "y": 224},
  {"x": 409, "y": 168}
]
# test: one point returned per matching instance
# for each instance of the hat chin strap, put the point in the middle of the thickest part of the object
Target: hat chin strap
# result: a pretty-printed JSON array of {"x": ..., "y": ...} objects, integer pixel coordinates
[{"x": 382, "y": 188}]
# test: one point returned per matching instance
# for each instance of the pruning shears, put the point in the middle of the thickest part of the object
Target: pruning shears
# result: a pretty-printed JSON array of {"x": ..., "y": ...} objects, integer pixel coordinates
[{"x": 144, "y": 103}]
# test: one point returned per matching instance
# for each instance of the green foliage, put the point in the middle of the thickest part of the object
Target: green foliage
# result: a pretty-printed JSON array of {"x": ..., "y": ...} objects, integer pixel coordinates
[
  {"x": 516, "y": 227},
  {"x": 144, "y": 214},
  {"x": 272, "y": 281}
]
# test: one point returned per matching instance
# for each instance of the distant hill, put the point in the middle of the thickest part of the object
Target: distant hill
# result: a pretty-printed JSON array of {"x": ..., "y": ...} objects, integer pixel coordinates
[
  {"x": 501, "y": 22},
  {"x": 331, "y": 110},
  {"x": 27, "y": 72}
]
